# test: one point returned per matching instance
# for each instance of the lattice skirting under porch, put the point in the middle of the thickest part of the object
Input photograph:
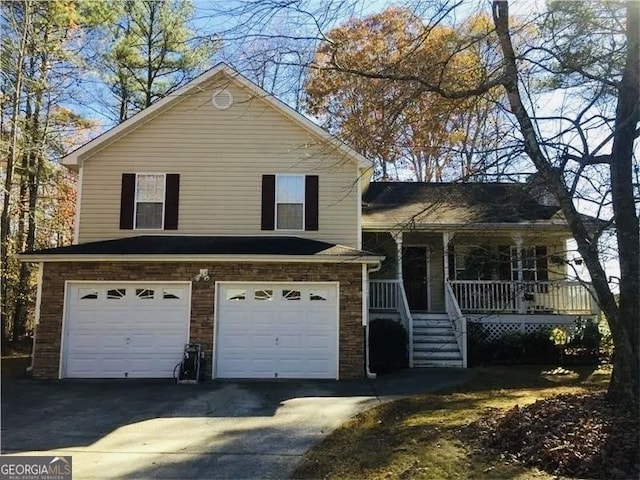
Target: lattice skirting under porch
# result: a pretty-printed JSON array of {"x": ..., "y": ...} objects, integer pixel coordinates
[{"x": 497, "y": 329}]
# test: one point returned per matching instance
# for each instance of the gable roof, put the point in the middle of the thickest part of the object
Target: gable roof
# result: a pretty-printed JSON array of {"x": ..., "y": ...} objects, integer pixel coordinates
[
  {"x": 420, "y": 204},
  {"x": 179, "y": 247},
  {"x": 74, "y": 159}
]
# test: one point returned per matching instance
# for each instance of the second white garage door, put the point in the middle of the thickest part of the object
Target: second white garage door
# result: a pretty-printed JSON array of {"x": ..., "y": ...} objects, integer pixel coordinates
[{"x": 287, "y": 330}]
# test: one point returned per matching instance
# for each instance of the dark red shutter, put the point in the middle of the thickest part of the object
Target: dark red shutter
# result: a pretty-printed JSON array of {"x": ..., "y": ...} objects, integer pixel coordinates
[
  {"x": 127, "y": 198},
  {"x": 171, "y": 200},
  {"x": 268, "y": 202},
  {"x": 311, "y": 202}
]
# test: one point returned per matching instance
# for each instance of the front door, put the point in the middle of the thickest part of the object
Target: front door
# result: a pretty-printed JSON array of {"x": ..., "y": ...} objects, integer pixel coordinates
[{"x": 415, "y": 275}]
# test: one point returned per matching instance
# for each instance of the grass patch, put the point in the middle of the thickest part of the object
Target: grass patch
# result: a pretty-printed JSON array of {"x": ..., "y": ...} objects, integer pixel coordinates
[{"x": 428, "y": 436}]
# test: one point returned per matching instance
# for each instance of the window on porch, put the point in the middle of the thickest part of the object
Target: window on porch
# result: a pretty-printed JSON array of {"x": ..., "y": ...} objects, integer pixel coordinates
[
  {"x": 480, "y": 262},
  {"x": 534, "y": 264},
  {"x": 488, "y": 262}
]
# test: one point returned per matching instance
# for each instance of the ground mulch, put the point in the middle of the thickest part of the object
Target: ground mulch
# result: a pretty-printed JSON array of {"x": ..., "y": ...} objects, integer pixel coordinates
[
  {"x": 568, "y": 435},
  {"x": 16, "y": 348}
]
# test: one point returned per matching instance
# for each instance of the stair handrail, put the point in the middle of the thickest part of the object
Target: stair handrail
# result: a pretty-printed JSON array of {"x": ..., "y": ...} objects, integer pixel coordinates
[
  {"x": 458, "y": 321},
  {"x": 405, "y": 314}
]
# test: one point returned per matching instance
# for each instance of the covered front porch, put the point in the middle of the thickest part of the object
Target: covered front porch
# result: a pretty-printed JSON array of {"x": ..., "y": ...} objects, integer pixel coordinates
[{"x": 434, "y": 282}]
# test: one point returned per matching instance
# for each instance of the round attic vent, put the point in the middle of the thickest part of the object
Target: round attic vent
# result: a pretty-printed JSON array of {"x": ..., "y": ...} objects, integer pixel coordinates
[{"x": 222, "y": 99}]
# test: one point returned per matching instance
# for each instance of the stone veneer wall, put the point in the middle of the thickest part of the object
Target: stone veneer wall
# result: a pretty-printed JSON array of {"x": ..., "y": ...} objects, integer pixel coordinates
[{"x": 49, "y": 331}]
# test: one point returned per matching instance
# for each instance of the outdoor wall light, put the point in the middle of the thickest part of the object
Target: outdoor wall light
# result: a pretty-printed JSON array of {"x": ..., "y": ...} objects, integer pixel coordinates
[{"x": 203, "y": 275}]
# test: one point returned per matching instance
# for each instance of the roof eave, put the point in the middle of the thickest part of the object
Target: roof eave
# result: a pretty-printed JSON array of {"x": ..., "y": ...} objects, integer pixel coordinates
[
  {"x": 389, "y": 226},
  {"x": 52, "y": 257}
]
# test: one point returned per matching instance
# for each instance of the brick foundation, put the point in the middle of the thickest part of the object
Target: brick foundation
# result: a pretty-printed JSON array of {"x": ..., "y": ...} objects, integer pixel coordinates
[{"x": 49, "y": 331}]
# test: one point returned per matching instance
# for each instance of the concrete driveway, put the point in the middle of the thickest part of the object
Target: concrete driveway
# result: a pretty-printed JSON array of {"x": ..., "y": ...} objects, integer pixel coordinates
[{"x": 156, "y": 429}]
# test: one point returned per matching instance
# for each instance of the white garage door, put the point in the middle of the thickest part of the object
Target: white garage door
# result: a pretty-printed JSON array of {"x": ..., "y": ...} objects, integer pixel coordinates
[
  {"x": 124, "y": 330},
  {"x": 277, "y": 330}
]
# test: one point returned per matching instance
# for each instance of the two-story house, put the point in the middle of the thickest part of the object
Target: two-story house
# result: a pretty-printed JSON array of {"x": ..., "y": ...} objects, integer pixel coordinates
[
  {"x": 222, "y": 217},
  {"x": 217, "y": 216}
]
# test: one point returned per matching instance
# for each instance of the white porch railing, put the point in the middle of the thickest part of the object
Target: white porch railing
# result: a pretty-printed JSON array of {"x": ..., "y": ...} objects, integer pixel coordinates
[
  {"x": 384, "y": 294},
  {"x": 458, "y": 321},
  {"x": 390, "y": 295},
  {"x": 488, "y": 296}
]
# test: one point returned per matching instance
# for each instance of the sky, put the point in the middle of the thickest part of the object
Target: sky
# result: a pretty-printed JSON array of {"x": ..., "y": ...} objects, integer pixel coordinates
[{"x": 219, "y": 16}]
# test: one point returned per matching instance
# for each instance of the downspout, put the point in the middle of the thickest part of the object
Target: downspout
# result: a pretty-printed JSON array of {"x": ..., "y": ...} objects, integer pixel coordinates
[
  {"x": 365, "y": 313},
  {"x": 37, "y": 315}
]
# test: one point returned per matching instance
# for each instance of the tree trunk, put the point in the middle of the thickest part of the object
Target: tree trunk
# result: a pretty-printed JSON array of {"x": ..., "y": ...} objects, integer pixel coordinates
[
  {"x": 12, "y": 156},
  {"x": 624, "y": 380},
  {"x": 34, "y": 139},
  {"x": 150, "y": 67},
  {"x": 22, "y": 301},
  {"x": 624, "y": 383}
]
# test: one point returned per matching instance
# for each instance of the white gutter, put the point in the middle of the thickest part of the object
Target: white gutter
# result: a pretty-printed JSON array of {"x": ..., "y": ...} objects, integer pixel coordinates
[
  {"x": 365, "y": 312},
  {"x": 79, "y": 257}
]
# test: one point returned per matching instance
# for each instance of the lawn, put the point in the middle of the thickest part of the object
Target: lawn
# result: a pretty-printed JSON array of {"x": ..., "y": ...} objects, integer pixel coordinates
[{"x": 440, "y": 435}]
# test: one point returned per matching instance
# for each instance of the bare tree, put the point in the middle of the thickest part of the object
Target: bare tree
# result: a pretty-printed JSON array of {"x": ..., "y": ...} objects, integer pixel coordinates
[{"x": 623, "y": 317}]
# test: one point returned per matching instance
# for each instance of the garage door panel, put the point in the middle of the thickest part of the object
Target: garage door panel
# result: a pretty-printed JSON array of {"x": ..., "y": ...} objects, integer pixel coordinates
[
  {"x": 139, "y": 334},
  {"x": 151, "y": 344},
  {"x": 234, "y": 342},
  {"x": 319, "y": 341},
  {"x": 262, "y": 341},
  {"x": 293, "y": 317},
  {"x": 290, "y": 341},
  {"x": 150, "y": 366},
  {"x": 257, "y": 367},
  {"x": 236, "y": 319},
  {"x": 86, "y": 366},
  {"x": 308, "y": 369},
  {"x": 276, "y": 330},
  {"x": 263, "y": 318},
  {"x": 88, "y": 341}
]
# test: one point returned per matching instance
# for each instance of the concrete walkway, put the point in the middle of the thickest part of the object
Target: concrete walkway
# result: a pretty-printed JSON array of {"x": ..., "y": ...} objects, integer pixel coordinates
[{"x": 159, "y": 430}]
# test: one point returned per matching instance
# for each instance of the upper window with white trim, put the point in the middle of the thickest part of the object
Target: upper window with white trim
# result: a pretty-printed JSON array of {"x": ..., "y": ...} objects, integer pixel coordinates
[
  {"x": 290, "y": 202},
  {"x": 149, "y": 203}
]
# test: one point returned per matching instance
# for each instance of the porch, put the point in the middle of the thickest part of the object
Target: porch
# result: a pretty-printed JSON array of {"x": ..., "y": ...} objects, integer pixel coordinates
[{"x": 506, "y": 283}]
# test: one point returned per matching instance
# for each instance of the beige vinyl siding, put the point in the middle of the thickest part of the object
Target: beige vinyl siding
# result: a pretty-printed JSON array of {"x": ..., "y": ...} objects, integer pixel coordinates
[{"x": 221, "y": 156}]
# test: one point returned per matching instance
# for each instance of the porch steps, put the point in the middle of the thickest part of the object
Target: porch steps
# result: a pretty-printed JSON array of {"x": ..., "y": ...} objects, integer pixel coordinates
[{"x": 434, "y": 343}]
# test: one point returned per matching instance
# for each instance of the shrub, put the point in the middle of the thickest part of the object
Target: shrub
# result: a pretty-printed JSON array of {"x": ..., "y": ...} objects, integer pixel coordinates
[
  {"x": 586, "y": 343},
  {"x": 387, "y": 346}
]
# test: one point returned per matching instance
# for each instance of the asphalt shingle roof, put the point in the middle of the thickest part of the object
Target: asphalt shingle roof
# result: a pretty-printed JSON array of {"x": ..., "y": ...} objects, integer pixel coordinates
[
  {"x": 452, "y": 203},
  {"x": 205, "y": 245}
]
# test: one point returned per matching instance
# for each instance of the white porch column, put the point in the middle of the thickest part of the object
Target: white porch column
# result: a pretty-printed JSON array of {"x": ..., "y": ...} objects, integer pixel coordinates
[
  {"x": 519, "y": 240},
  {"x": 398, "y": 237},
  {"x": 446, "y": 238}
]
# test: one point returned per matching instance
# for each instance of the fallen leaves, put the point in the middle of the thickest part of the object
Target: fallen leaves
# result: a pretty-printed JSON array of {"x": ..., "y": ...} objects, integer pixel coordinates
[{"x": 568, "y": 435}]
